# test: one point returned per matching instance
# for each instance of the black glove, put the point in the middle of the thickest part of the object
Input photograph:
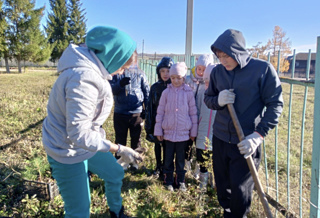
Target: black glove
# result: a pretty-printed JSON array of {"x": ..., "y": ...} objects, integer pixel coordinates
[{"x": 125, "y": 81}]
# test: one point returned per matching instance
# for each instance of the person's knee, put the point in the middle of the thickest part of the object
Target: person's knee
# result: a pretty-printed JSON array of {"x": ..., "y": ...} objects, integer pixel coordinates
[{"x": 118, "y": 173}]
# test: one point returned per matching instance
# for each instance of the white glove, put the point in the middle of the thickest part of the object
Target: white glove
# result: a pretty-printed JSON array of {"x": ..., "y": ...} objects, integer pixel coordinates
[
  {"x": 226, "y": 97},
  {"x": 128, "y": 156},
  {"x": 249, "y": 145}
]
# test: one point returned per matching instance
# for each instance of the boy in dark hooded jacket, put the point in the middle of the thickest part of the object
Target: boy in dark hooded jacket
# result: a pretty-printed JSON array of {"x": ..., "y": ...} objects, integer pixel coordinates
[
  {"x": 250, "y": 85},
  {"x": 151, "y": 111}
]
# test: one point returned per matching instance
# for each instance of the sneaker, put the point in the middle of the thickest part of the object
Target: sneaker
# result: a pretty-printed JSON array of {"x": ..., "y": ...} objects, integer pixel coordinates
[
  {"x": 183, "y": 187},
  {"x": 170, "y": 188},
  {"x": 156, "y": 173},
  {"x": 204, "y": 181},
  {"x": 188, "y": 165},
  {"x": 196, "y": 172}
]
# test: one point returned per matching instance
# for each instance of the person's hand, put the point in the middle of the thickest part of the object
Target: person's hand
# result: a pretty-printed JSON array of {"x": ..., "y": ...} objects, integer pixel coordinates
[
  {"x": 125, "y": 81},
  {"x": 249, "y": 145},
  {"x": 128, "y": 156},
  {"x": 192, "y": 138},
  {"x": 160, "y": 138},
  {"x": 226, "y": 97}
]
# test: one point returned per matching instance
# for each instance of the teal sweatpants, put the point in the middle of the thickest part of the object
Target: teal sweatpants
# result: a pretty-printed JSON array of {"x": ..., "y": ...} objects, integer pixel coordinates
[{"x": 73, "y": 183}]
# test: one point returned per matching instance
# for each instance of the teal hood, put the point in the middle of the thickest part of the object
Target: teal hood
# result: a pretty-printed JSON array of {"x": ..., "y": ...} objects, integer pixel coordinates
[{"x": 112, "y": 46}]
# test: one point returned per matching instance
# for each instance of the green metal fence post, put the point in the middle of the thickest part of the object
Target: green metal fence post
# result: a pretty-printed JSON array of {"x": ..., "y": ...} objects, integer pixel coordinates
[
  {"x": 302, "y": 133},
  {"x": 315, "y": 174},
  {"x": 276, "y": 145},
  {"x": 265, "y": 153},
  {"x": 289, "y": 130}
]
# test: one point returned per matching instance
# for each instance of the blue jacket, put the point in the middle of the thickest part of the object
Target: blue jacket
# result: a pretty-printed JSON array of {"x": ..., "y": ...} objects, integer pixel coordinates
[
  {"x": 256, "y": 85},
  {"x": 132, "y": 98}
]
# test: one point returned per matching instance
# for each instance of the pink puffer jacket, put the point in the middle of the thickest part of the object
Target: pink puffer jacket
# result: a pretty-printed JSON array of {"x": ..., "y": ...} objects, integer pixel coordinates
[{"x": 176, "y": 118}]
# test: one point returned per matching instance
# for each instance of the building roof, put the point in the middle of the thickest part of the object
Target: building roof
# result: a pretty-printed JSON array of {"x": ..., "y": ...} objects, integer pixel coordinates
[{"x": 304, "y": 56}]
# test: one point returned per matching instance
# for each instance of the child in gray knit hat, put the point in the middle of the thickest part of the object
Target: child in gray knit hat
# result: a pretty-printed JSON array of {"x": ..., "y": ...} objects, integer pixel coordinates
[{"x": 196, "y": 82}]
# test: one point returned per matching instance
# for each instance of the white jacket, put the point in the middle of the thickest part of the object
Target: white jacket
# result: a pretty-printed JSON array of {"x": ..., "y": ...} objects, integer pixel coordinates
[
  {"x": 198, "y": 86},
  {"x": 206, "y": 119},
  {"x": 79, "y": 103}
]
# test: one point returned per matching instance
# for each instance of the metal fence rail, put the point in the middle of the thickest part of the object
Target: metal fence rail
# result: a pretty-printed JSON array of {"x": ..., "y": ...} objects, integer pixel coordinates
[{"x": 291, "y": 177}]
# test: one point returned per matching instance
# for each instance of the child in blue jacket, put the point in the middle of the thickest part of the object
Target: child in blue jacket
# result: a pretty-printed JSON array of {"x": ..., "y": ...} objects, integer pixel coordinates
[{"x": 130, "y": 91}]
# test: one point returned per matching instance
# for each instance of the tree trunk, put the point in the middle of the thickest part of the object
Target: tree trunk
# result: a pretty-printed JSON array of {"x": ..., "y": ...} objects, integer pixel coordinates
[
  {"x": 19, "y": 65},
  {"x": 7, "y": 64}
]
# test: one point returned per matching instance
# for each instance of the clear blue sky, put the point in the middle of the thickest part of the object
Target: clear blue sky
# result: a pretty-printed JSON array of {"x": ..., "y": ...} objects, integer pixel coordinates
[{"x": 162, "y": 24}]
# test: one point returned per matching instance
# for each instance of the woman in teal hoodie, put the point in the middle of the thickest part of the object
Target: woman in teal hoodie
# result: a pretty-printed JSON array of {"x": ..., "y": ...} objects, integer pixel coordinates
[
  {"x": 79, "y": 103},
  {"x": 250, "y": 85}
]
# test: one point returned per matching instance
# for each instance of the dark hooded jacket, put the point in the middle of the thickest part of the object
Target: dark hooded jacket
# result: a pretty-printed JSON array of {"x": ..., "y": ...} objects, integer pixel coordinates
[
  {"x": 256, "y": 85},
  {"x": 153, "y": 103},
  {"x": 154, "y": 97}
]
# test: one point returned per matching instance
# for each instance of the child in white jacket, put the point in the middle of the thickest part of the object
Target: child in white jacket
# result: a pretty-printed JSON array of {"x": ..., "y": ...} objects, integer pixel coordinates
[
  {"x": 196, "y": 82},
  {"x": 204, "y": 136}
]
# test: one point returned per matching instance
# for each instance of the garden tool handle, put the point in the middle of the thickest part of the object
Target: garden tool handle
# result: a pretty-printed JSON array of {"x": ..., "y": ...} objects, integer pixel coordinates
[{"x": 250, "y": 163}]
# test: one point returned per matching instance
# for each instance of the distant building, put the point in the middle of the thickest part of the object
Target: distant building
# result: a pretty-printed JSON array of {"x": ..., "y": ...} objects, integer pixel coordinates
[{"x": 301, "y": 63}]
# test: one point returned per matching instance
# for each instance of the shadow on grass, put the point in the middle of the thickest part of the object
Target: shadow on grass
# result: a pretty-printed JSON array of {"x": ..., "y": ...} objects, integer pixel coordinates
[{"x": 30, "y": 127}]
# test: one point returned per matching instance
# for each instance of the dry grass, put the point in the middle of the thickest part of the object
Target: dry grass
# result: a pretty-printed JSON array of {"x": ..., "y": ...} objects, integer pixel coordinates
[{"x": 23, "y": 99}]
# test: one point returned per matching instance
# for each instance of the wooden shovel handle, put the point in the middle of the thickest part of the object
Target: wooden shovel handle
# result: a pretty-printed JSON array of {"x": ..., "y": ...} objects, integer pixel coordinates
[{"x": 250, "y": 163}]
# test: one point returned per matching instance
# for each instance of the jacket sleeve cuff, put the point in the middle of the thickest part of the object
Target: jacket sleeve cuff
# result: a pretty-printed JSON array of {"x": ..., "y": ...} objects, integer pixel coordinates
[
  {"x": 259, "y": 134},
  {"x": 104, "y": 146}
]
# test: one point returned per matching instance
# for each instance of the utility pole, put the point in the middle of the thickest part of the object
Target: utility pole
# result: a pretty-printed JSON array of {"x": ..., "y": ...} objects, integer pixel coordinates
[
  {"x": 142, "y": 47},
  {"x": 188, "y": 50}
]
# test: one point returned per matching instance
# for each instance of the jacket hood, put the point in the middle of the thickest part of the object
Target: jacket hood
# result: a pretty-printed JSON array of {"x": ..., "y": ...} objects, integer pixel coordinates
[
  {"x": 194, "y": 76},
  {"x": 233, "y": 44},
  {"x": 79, "y": 57},
  {"x": 205, "y": 60},
  {"x": 165, "y": 62}
]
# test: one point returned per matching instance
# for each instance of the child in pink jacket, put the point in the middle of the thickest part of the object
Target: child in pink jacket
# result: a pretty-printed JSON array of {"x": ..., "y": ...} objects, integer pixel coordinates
[{"x": 176, "y": 123}]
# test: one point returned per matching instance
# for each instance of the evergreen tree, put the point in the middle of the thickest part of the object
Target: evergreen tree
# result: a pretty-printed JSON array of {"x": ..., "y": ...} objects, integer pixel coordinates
[
  {"x": 4, "y": 49},
  {"x": 3, "y": 26},
  {"x": 37, "y": 50},
  {"x": 23, "y": 24},
  {"x": 57, "y": 29},
  {"x": 77, "y": 22}
]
